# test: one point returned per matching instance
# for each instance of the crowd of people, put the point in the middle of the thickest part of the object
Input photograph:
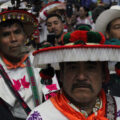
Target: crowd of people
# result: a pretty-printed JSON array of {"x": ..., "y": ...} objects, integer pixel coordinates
[{"x": 59, "y": 60}]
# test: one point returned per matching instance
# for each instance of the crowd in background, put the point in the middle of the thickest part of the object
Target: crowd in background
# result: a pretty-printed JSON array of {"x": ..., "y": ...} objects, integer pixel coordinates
[{"x": 56, "y": 18}]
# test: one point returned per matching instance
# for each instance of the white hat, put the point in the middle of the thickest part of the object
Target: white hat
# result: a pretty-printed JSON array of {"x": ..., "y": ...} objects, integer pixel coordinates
[
  {"x": 106, "y": 17},
  {"x": 77, "y": 46}
]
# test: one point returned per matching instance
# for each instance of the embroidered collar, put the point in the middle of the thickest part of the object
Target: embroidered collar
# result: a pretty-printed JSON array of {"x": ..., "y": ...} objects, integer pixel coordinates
[
  {"x": 104, "y": 113},
  {"x": 14, "y": 66},
  {"x": 97, "y": 106}
]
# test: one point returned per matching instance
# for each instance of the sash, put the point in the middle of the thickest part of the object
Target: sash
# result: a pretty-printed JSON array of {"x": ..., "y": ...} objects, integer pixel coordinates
[
  {"x": 32, "y": 82},
  {"x": 15, "y": 92}
]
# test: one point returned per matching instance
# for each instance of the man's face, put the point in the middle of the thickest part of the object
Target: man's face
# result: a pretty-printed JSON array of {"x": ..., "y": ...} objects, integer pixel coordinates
[
  {"x": 114, "y": 31},
  {"x": 11, "y": 40},
  {"x": 55, "y": 25},
  {"x": 82, "y": 81}
]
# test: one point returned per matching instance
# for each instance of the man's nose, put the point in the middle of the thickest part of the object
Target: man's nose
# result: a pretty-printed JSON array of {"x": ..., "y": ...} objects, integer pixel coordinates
[
  {"x": 81, "y": 75},
  {"x": 13, "y": 37},
  {"x": 53, "y": 26}
]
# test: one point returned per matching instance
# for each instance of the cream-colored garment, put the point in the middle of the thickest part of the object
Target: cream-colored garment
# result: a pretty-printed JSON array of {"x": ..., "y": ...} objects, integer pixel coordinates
[
  {"x": 26, "y": 93},
  {"x": 47, "y": 111}
]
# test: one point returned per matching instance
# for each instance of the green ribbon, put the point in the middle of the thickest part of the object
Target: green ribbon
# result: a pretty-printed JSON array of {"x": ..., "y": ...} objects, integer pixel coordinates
[{"x": 32, "y": 82}]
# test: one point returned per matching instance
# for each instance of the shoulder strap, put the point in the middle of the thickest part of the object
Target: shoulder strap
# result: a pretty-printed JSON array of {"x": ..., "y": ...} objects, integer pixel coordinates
[{"x": 16, "y": 94}]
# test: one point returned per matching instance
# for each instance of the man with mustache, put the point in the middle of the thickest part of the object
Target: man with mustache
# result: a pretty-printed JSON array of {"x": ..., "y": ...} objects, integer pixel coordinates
[
  {"x": 16, "y": 27},
  {"x": 83, "y": 68}
]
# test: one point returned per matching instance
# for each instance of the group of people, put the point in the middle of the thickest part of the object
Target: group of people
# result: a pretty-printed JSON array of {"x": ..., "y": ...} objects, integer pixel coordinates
[{"x": 79, "y": 55}]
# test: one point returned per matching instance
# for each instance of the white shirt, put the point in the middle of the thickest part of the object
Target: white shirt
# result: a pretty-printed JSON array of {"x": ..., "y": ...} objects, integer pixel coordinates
[{"x": 19, "y": 76}]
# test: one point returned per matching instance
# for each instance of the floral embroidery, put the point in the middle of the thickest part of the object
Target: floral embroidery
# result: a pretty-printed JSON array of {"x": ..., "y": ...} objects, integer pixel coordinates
[
  {"x": 51, "y": 87},
  {"x": 50, "y": 95},
  {"x": 35, "y": 116},
  {"x": 18, "y": 83},
  {"x": 118, "y": 113},
  {"x": 25, "y": 83}
]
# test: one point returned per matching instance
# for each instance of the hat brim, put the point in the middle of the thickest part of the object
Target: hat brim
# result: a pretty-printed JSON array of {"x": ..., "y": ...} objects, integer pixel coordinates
[
  {"x": 105, "y": 18},
  {"x": 28, "y": 20},
  {"x": 71, "y": 53}
]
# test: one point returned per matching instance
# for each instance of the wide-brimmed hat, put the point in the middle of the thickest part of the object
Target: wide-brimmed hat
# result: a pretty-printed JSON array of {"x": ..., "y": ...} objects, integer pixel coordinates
[
  {"x": 29, "y": 21},
  {"x": 48, "y": 6},
  {"x": 77, "y": 46},
  {"x": 106, "y": 17}
]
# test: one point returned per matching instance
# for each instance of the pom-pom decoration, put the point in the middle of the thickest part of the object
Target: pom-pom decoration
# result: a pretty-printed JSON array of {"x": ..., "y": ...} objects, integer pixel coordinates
[{"x": 46, "y": 75}]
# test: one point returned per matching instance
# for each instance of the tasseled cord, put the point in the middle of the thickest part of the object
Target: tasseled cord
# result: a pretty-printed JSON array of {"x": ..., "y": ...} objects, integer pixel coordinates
[{"x": 46, "y": 75}]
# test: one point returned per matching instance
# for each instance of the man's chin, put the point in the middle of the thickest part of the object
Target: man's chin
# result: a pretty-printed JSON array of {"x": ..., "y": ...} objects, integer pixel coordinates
[
  {"x": 80, "y": 101},
  {"x": 17, "y": 55}
]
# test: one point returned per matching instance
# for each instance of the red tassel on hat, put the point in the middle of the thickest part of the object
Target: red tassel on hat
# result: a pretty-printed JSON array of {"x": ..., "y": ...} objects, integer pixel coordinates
[
  {"x": 117, "y": 71},
  {"x": 46, "y": 75}
]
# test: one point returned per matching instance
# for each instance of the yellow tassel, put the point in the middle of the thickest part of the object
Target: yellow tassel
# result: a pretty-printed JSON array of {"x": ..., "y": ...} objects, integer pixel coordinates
[
  {"x": 3, "y": 18},
  {"x": 22, "y": 17}
]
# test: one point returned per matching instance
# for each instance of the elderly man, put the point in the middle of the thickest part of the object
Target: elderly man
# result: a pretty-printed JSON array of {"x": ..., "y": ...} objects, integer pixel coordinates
[
  {"x": 16, "y": 27},
  {"x": 82, "y": 59}
]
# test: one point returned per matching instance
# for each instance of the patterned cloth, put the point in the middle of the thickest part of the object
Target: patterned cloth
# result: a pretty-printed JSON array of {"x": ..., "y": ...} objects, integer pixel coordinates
[{"x": 20, "y": 80}]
